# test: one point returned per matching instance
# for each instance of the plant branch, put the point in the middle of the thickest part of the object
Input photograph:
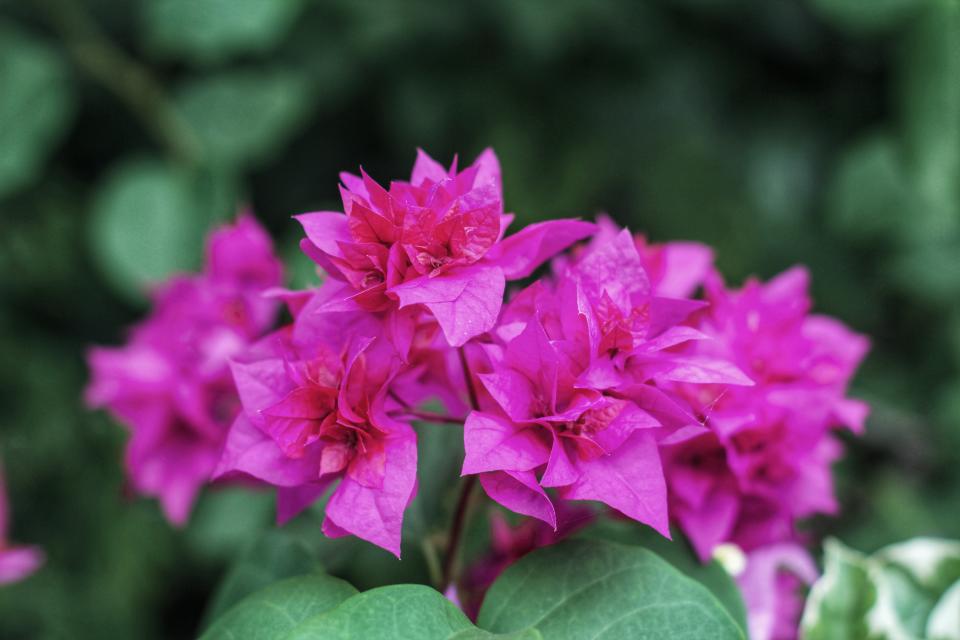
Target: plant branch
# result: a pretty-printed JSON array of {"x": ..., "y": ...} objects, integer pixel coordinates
[
  {"x": 122, "y": 75},
  {"x": 456, "y": 530},
  {"x": 466, "y": 490},
  {"x": 471, "y": 390}
]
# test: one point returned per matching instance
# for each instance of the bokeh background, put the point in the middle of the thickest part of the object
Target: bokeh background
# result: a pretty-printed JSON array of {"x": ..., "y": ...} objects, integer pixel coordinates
[{"x": 824, "y": 132}]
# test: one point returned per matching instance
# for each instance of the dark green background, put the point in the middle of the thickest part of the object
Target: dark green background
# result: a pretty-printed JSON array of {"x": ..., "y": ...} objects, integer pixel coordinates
[{"x": 825, "y": 132}]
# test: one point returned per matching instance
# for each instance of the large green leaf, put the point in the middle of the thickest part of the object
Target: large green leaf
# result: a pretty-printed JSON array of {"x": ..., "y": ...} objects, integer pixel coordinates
[
  {"x": 840, "y": 599},
  {"x": 146, "y": 224},
  {"x": 678, "y": 553},
  {"x": 211, "y": 30},
  {"x": 870, "y": 193},
  {"x": 929, "y": 96},
  {"x": 480, "y": 634},
  {"x": 35, "y": 105},
  {"x": 944, "y": 621},
  {"x": 603, "y": 590},
  {"x": 387, "y": 613},
  {"x": 243, "y": 117},
  {"x": 933, "y": 563},
  {"x": 274, "y": 611},
  {"x": 276, "y": 555}
]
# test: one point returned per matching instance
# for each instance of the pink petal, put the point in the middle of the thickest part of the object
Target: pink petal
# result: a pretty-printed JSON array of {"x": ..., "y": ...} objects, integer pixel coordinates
[
  {"x": 260, "y": 384},
  {"x": 426, "y": 168},
  {"x": 174, "y": 471},
  {"x": 701, "y": 370},
  {"x": 465, "y": 302},
  {"x": 326, "y": 229},
  {"x": 494, "y": 444},
  {"x": 520, "y": 254},
  {"x": 661, "y": 405},
  {"x": 487, "y": 167},
  {"x": 511, "y": 390},
  {"x": 292, "y": 500},
  {"x": 671, "y": 338},
  {"x": 519, "y": 492},
  {"x": 377, "y": 515},
  {"x": 251, "y": 452},
  {"x": 773, "y": 604},
  {"x": 629, "y": 480},
  {"x": 16, "y": 563},
  {"x": 630, "y": 418},
  {"x": 560, "y": 471},
  {"x": 615, "y": 268},
  {"x": 851, "y": 414},
  {"x": 687, "y": 264},
  {"x": 711, "y": 523},
  {"x": 667, "y": 312}
]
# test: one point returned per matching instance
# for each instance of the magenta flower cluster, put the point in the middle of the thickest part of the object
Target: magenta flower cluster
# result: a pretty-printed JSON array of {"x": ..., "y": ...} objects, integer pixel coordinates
[
  {"x": 171, "y": 383},
  {"x": 604, "y": 380}
]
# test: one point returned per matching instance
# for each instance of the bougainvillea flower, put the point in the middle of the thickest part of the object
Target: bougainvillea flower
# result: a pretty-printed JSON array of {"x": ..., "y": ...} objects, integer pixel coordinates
[
  {"x": 575, "y": 404},
  {"x": 763, "y": 458},
  {"x": 435, "y": 242},
  {"x": 171, "y": 384},
  {"x": 771, "y": 585},
  {"x": 16, "y": 561},
  {"x": 317, "y": 409},
  {"x": 674, "y": 269}
]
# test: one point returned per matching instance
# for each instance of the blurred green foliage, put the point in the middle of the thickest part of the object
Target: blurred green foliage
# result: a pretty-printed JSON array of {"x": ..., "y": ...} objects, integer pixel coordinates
[{"x": 779, "y": 131}]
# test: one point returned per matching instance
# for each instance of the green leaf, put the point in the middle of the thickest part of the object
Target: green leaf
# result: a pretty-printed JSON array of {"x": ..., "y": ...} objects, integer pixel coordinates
[
  {"x": 596, "y": 589},
  {"x": 866, "y": 17},
  {"x": 929, "y": 93},
  {"x": 274, "y": 556},
  {"x": 928, "y": 271},
  {"x": 870, "y": 193},
  {"x": 224, "y": 521},
  {"x": 242, "y": 118},
  {"x": 36, "y": 103},
  {"x": 901, "y": 608},
  {"x": 840, "y": 599},
  {"x": 911, "y": 577},
  {"x": 387, "y": 613},
  {"x": 678, "y": 553},
  {"x": 146, "y": 224},
  {"x": 279, "y": 608},
  {"x": 206, "y": 31},
  {"x": 934, "y": 563},
  {"x": 944, "y": 620},
  {"x": 480, "y": 634}
]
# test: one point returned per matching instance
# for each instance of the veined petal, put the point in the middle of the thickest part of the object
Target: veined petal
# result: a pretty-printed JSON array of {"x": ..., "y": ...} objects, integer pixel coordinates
[
  {"x": 494, "y": 444},
  {"x": 251, "y": 452},
  {"x": 465, "y": 302},
  {"x": 293, "y": 500},
  {"x": 629, "y": 480},
  {"x": 376, "y": 515},
  {"x": 325, "y": 229},
  {"x": 520, "y": 254},
  {"x": 519, "y": 492}
]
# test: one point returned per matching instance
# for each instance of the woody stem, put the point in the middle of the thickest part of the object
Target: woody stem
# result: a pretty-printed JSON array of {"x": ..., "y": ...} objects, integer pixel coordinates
[
  {"x": 466, "y": 490},
  {"x": 456, "y": 530}
]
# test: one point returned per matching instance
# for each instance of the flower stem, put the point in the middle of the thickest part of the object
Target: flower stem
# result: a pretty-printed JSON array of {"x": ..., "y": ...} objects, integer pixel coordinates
[
  {"x": 466, "y": 490},
  {"x": 468, "y": 379},
  {"x": 456, "y": 530}
]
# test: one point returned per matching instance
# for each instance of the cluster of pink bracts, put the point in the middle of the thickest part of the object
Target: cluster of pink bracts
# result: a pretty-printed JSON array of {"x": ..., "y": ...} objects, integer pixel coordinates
[{"x": 605, "y": 380}]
